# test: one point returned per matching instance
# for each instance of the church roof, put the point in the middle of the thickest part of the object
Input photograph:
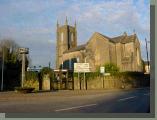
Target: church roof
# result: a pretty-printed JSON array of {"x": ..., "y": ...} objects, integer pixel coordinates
[
  {"x": 102, "y": 35},
  {"x": 78, "y": 48},
  {"x": 119, "y": 39},
  {"x": 123, "y": 39}
]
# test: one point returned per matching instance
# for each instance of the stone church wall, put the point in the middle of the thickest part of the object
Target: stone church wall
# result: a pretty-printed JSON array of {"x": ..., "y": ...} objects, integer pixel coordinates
[
  {"x": 100, "y": 49},
  {"x": 111, "y": 82},
  {"x": 119, "y": 55}
]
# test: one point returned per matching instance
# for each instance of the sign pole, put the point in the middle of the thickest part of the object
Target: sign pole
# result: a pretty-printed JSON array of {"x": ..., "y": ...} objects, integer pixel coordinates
[
  {"x": 103, "y": 80},
  {"x": 79, "y": 80},
  {"x": 23, "y": 52},
  {"x": 23, "y": 69},
  {"x": 82, "y": 68},
  {"x": 84, "y": 82}
]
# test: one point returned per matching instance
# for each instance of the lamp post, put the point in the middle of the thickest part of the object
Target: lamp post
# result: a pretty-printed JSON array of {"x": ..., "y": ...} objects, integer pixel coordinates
[{"x": 23, "y": 52}]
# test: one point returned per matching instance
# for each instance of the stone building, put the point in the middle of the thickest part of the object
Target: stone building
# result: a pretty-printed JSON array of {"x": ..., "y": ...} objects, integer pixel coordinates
[{"x": 123, "y": 51}]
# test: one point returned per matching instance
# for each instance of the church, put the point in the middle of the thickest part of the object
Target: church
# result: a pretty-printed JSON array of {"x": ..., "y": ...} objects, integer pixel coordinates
[{"x": 123, "y": 50}]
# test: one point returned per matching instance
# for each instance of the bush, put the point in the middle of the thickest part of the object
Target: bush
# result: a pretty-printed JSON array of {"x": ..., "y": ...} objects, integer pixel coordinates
[
  {"x": 31, "y": 83},
  {"x": 111, "y": 68},
  {"x": 32, "y": 80},
  {"x": 31, "y": 75},
  {"x": 126, "y": 74},
  {"x": 46, "y": 70},
  {"x": 88, "y": 76}
]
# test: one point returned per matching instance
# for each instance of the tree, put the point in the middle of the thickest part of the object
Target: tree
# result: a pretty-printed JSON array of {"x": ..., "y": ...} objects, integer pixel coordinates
[
  {"x": 9, "y": 47},
  {"x": 111, "y": 68},
  {"x": 12, "y": 63}
]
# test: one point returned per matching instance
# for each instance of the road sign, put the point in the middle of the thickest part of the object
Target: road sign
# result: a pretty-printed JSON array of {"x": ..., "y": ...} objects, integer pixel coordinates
[
  {"x": 102, "y": 69},
  {"x": 23, "y": 50},
  {"x": 81, "y": 67}
]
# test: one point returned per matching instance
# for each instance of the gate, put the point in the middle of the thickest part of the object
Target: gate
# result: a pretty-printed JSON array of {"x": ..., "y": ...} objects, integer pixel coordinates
[{"x": 63, "y": 80}]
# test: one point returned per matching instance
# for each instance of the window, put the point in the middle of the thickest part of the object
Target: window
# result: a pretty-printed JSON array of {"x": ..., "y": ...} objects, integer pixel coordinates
[
  {"x": 78, "y": 59},
  {"x": 138, "y": 56},
  {"x": 128, "y": 49},
  {"x": 62, "y": 36},
  {"x": 72, "y": 36},
  {"x": 70, "y": 62}
]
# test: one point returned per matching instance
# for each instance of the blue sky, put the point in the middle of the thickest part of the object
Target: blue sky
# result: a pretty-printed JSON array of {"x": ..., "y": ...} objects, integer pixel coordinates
[{"x": 32, "y": 23}]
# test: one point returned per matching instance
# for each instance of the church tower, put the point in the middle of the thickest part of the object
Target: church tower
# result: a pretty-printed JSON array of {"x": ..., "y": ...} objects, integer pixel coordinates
[{"x": 66, "y": 39}]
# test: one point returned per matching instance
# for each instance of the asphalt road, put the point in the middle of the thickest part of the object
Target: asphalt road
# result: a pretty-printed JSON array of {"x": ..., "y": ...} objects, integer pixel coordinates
[{"x": 90, "y": 101}]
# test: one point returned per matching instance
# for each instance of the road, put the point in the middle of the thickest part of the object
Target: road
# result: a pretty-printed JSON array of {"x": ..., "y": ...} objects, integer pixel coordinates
[{"x": 90, "y": 101}]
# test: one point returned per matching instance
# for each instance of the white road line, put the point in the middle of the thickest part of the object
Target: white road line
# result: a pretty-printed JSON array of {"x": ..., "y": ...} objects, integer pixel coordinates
[
  {"x": 75, "y": 107},
  {"x": 123, "y": 99},
  {"x": 146, "y": 94}
]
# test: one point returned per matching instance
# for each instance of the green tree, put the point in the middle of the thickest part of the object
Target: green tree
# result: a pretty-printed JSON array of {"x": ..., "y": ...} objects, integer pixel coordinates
[
  {"x": 12, "y": 63},
  {"x": 111, "y": 68}
]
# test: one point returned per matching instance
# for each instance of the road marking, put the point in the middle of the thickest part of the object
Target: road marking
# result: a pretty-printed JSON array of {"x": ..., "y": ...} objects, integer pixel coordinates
[
  {"x": 75, "y": 107},
  {"x": 123, "y": 99},
  {"x": 146, "y": 94}
]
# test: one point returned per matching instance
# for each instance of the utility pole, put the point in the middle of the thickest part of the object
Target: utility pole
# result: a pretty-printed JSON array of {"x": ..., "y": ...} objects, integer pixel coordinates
[
  {"x": 2, "y": 67},
  {"x": 147, "y": 53}
]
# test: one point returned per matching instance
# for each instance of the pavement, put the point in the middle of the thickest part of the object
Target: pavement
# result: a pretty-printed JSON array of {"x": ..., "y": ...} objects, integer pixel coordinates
[{"x": 77, "y": 101}]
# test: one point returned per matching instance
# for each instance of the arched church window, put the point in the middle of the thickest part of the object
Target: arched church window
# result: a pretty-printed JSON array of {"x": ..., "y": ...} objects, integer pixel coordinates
[
  {"x": 72, "y": 36},
  {"x": 62, "y": 36},
  {"x": 138, "y": 56},
  {"x": 77, "y": 59},
  {"x": 70, "y": 64}
]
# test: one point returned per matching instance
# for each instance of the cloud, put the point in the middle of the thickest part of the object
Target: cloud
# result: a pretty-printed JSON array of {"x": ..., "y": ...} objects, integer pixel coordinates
[
  {"x": 111, "y": 15},
  {"x": 33, "y": 24},
  {"x": 110, "y": 18}
]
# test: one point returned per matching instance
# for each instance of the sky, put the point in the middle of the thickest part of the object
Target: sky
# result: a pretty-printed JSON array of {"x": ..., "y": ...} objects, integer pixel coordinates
[{"x": 32, "y": 23}]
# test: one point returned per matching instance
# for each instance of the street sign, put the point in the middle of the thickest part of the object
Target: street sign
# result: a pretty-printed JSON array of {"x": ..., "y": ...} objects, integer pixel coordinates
[
  {"x": 81, "y": 67},
  {"x": 23, "y": 50},
  {"x": 102, "y": 69}
]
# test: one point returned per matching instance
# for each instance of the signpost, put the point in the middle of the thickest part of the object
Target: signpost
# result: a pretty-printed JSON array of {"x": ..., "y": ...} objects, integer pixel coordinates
[
  {"x": 102, "y": 71},
  {"x": 81, "y": 68},
  {"x": 23, "y": 51}
]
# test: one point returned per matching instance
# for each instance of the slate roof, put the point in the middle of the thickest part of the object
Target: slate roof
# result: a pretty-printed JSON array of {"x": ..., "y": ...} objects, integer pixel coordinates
[
  {"x": 123, "y": 39},
  {"x": 102, "y": 35},
  {"x": 78, "y": 48},
  {"x": 119, "y": 39}
]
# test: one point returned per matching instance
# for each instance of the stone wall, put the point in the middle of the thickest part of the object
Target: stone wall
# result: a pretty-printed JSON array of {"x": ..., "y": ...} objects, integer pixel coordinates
[
  {"x": 46, "y": 82},
  {"x": 111, "y": 82}
]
